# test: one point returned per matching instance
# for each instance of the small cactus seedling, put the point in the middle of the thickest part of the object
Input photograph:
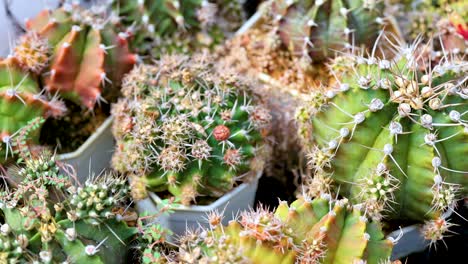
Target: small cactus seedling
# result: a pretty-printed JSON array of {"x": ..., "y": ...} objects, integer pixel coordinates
[
  {"x": 393, "y": 137},
  {"x": 85, "y": 48},
  {"x": 175, "y": 26},
  {"x": 45, "y": 219},
  {"x": 22, "y": 102},
  {"x": 188, "y": 127},
  {"x": 307, "y": 231}
]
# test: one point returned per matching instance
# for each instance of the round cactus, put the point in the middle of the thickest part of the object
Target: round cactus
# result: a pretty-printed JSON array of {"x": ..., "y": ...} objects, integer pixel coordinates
[
  {"x": 46, "y": 219},
  {"x": 393, "y": 137},
  {"x": 187, "y": 127},
  {"x": 174, "y": 26},
  {"x": 22, "y": 103},
  {"x": 87, "y": 53},
  {"x": 307, "y": 231}
]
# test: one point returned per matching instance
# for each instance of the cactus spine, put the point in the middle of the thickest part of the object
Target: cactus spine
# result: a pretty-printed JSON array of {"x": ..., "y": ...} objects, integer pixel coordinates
[
  {"x": 393, "y": 137},
  {"x": 307, "y": 231},
  {"x": 86, "y": 51},
  {"x": 187, "y": 127},
  {"x": 46, "y": 219}
]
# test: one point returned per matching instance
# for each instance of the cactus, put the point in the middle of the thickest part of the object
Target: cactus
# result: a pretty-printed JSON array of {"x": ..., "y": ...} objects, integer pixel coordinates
[
  {"x": 307, "y": 231},
  {"x": 393, "y": 137},
  {"x": 47, "y": 219},
  {"x": 174, "y": 26},
  {"x": 87, "y": 52},
  {"x": 187, "y": 127},
  {"x": 22, "y": 104}
]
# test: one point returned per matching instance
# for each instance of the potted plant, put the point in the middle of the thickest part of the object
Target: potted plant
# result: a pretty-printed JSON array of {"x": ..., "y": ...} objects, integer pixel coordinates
[
  {"x": 168, "y": 27},
  {"x": 394, "y": 139},
  {"x": 321, "y": 230},
  {"x": 190, "y": 129},
  {"x": 74, "y": 53},
  {"x": 44, "y": 217}
]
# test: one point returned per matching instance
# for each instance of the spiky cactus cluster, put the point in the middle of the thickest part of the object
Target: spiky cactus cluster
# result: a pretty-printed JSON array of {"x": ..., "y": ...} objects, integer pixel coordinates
[
  {"x": 188, "y": 127},
  {"x": 22, "y": 104},
  {"x": 175, "y": 26},
  {"x": 46, "y": 219},
  {"x": 87, "y": 53},
  {"x": 443, "y": 22},
  {"x": 307, "y": 231},
  {"x": 393, "y": 137}
]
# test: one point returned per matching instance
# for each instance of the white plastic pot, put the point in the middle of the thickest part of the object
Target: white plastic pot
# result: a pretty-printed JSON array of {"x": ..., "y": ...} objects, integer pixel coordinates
[
  {"x": 94, "y": 156},
  {"x": 190, "y": 217}
]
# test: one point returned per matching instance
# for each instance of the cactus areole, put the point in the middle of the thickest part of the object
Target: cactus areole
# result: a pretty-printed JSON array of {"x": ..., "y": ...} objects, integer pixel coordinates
[{"x": 395, "y": 138}]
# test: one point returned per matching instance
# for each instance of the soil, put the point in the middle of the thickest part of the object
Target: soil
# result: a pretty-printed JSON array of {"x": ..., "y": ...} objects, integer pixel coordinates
[{"x": 68, "y": 133}]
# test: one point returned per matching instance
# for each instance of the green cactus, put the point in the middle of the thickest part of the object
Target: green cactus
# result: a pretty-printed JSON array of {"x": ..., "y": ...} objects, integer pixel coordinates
[
  {"x": 317, "y": 29},
  {"x": 307, "y": 231},
  {"x": 391, "y": 136},
  {"x": 188, "y": 127},
  {"x": 47, "y": 219},
  {"x": 87, "y": 52},
  {"x": 22, "y": 104},
  {"x": 174, "y": 26}
]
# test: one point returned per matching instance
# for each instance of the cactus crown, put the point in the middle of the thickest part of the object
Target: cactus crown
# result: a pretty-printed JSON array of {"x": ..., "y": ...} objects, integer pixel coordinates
[
  {"x": 307, "y": 231},
  {"x": 44, "y": 218},
  {"x": 393, "y": 136},
  {"x": 86, "y": 51},
  {"x": 174, "y": 26},
  {"x": 187, "y": 126}
]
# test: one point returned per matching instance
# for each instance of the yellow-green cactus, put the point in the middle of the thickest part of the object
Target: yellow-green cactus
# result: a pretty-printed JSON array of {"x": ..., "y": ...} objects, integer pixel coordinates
[{"x": 307, "y": 231}]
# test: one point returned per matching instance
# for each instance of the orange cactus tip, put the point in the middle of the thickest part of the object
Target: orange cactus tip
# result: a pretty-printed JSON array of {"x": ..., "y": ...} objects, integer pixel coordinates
[{"x": 221, "y": 132}]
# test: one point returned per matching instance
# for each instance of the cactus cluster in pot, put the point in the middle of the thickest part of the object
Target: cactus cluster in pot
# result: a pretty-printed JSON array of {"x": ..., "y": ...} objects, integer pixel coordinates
[
  {"x": 69, "y": 53},
  {"x": 87, "y": 52},
  {"x": 294, "y": 38},
  {"x": 321, "y": 230},
  {"x": 46, "y": 219},
  {"x": 187, "y": 126},
  {"x": 391, "y": 136},
  {"x": 174, "y": 26}
]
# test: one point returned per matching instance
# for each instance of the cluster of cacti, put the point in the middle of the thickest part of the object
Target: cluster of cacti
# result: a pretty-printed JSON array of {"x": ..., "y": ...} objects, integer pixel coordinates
[
  {"x": 443, "y": 22},
  {"x": 174, "y": 26},
  {"x": 187, "y": 127},
  {"x": 87, "y": 53},
  {"x": 307, "y": 231},
  {"x": 22, "y": 102},
  {"x": 45, "y": 219},
  {"x": 391, "y": 136}
]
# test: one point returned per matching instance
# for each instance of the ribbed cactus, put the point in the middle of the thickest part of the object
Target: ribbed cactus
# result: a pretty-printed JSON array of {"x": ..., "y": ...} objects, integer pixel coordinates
[
  {"x": 393, "y": 137},
  {"x": 88, "y": 54},
  {"x": 307, "y": 231},
  {"x": 175, "y": 26},
  {"x": 22, "y": 104},
  {"x": 188, "y": 127},
  {"x": 46, "y": 219}
]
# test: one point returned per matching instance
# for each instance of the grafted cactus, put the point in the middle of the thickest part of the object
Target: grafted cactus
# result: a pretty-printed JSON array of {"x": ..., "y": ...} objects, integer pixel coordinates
[
  {"x": 22, "y": 104},
  {"x": 87, "y": 52},
  {"x": 307, "y": 231},
  {"x": 174, "y": 26},
  {"x": 393, "y": 137},
  {"x": 188, "y": 127},
  {"x": 45, "y": 219}
]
